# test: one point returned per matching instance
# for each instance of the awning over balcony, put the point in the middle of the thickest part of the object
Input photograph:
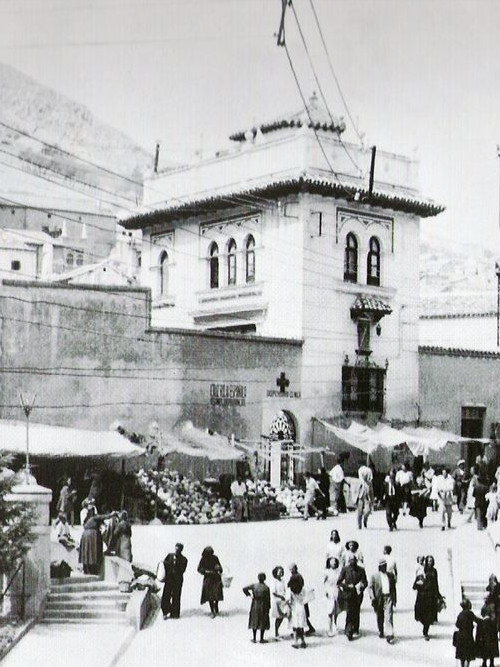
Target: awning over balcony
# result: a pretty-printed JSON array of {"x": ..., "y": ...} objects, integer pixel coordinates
[{"x": 369, "y": 305}]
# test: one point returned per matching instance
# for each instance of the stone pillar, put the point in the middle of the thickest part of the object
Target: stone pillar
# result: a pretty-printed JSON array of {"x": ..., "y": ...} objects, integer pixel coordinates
[
  {"x": 275, "y": 466},
  {"x": 37, "y": 560}
]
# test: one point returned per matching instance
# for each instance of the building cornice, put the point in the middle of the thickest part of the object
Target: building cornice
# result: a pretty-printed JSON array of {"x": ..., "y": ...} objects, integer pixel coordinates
[
  {"x": 431, "y": 350},
  {"x": 281, "y": 187}
]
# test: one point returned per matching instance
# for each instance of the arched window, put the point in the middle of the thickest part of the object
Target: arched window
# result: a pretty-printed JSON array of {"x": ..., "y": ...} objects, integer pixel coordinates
[
  {"x": 163, "y": 273},
  {"x": 70, "y": 259},
  {"x": 231, "y": 262},
  {"x": 250, "y": 259},
  {"x": 214, "y": 266},
  {"x": 373, "y": 262},
  {"x": 351, "y": 259}
]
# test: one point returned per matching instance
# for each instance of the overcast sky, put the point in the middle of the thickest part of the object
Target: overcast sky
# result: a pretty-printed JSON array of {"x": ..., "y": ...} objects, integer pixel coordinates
[{"x": 420, "y": 78}]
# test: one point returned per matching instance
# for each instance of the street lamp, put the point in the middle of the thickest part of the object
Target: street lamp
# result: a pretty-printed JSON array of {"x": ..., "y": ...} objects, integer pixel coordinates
[
  {"x": 497, "y": 271},
  {"x": 27, "y": 408}
]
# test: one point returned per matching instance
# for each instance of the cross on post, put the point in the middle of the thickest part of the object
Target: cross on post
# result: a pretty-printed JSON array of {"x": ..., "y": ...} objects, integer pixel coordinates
[{"x": 282, "y": 382}]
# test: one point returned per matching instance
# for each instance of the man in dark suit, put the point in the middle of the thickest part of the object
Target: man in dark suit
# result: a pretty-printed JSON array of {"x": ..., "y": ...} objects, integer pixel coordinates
[
  {"x": 175, "y": 566},
  {"x": 391, "y": 499},
  {"x": 383, "y": 596},
  {"x": 352, "y": 581}
]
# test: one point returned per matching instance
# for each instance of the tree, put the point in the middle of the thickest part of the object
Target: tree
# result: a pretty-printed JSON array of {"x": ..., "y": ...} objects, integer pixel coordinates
[{"x": 17, "y": 520}]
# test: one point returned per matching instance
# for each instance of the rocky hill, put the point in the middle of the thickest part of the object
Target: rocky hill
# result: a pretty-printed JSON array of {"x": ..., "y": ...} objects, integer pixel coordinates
[{"x": 44, "y": 114}]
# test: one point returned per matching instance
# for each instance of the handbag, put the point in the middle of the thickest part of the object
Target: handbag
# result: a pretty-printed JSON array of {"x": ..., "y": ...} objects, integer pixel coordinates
[
  {"x": 161, "y": 575},
  {"x": 441, "y": 603}
]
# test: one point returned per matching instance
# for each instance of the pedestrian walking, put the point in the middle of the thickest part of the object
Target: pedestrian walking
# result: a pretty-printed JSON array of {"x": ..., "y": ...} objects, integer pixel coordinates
[
  {"x": 364, "y": 496},
  {"x": 175, "y": 565},
  {"x": 392, "y": 567},
  {"x": 487, "y": 637},
  {"x": 470, "y": 498},
  {"x": 404, "y": 479},
  {"x": 459, "y": 477},
  {"x": 211, "y": 590},
  {"x": 445, "y": 489},
  {"x": 492, "y": 504},
  {"x": 493, "y": 596},
  {"x": 419, "y": 500},
  {"x": 258, "y": 618},
  {"x": 352, "y": 581},
  {"x": 352, "y": 547},
  {"x": 67, "y": 499},
  {"x": 479, "y": 493},
  {"x": 312, "y": 488},
  {"x": 337, "y": 477},
  {"x": 382, "y": 592},
  {"x": 391, "y": 500},
  {"x": 434, "y": 497},
  {"x": 463, "y": 637},
  {"x": 334, "y": 547},
  {"x": 239, "y": 499},
  {"x": 428, "y": 595},
  {"x": 279, "y": 605},
  {"x": 323, "y": 500},
  {"x": 297, "y": 601},
  {"x": 330, "y": 581},
  {"x": 122, "y": 537}
]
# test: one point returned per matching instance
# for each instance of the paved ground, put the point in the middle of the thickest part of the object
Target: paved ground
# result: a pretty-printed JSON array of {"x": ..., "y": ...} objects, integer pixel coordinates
[{"x": 246, "y": 549}]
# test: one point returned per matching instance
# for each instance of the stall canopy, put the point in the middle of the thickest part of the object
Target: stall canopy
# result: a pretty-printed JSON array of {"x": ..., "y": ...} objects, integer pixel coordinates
[
  {"x": 192, "y": 441},
  {"x": 378, "y": 442},
  {"x": 59, "y": 441}
]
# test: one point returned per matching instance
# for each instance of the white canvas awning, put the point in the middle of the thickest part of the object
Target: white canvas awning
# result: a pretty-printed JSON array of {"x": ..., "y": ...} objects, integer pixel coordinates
[
  {"x": 46, "y": 440},
  {"x": 421, "y": 441},
  {"x": 192, "y": 441}
]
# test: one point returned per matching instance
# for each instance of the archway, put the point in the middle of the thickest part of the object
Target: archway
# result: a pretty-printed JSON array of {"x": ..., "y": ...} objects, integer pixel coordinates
[{"x": 283, "y": 448}]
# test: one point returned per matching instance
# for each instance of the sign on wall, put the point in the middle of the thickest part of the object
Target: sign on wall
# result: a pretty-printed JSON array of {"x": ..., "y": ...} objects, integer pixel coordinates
[{"x": 228, "y": 394}]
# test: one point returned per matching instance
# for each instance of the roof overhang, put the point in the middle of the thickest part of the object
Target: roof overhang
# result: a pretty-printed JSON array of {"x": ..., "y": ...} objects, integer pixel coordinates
[{"x": 281, "y": 187}]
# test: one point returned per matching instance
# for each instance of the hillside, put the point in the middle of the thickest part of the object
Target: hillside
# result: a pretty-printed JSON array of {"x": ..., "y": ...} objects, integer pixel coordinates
[{"x": 51, "y": 117}]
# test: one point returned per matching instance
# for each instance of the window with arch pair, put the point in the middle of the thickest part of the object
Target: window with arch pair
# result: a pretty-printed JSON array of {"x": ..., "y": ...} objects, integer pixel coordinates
[
  {"x": 214, "y": 261},
  {"x": 351, "y": 253}
]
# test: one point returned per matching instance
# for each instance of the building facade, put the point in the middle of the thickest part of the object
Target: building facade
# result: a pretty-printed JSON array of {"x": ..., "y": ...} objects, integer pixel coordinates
[{"x": 282, "y": 235}]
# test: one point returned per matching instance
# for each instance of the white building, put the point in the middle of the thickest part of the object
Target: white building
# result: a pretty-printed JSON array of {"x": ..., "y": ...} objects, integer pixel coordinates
[{"x": 264, "y": 238}]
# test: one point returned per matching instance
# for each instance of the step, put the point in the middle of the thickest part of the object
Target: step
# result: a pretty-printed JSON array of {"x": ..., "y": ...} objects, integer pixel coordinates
[
  {"x": 84, "y": 587},
  {"x": 85, "y": 621},
  {"x": 66, "y": 614},
  {"x": 88, "y": 595},
  {"x": 86, "y": 605},
  {"x": 80, "y": 579}
]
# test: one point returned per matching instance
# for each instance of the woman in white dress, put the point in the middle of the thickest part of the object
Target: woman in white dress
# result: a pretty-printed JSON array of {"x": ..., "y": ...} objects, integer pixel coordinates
[
  {"x": 330, "y": 579},
  {"x": 334, "y": 548},
  {"x": 279, "y": 605},
  {"x": 297, "y": 599},
  {"x": 470, "y": 504}
]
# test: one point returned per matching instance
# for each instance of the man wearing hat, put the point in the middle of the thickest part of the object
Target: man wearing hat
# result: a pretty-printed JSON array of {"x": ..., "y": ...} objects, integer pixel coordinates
[
  {"x": 460, "y": 486},
  {"x": 175, "y": 566},
  {"x": 352, "y": 581},
  {"x": 382, "y": 592}
]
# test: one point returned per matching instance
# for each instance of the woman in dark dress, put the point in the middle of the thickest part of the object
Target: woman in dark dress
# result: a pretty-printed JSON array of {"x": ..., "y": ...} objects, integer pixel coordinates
[
  {"x": 493, "y": 597},
  {"x": 90, "y": 555},
  {"x": 463, "y": 639},
  {"x": 211, "y": 590},
  {"x": 259, "y": 609},
  {"x": 487, "y": 636},
  {"x": 419, "y": 500},
  {"x": 122, "y": 537},
  {"x": 426, "y": 603}
]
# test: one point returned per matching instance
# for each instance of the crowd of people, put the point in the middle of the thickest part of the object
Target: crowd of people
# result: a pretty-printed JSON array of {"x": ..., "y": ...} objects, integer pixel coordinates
[{"x": 286, "y": 600}]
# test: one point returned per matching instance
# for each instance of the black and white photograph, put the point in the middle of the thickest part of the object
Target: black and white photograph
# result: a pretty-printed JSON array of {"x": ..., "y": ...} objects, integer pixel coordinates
[{"x": 249, "y": 333}]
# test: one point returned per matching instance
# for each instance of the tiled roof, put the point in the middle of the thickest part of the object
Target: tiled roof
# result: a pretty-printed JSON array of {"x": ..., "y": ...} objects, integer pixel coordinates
[
  {"x": 272, "y": 188},
  {"x": 432, "y": 350},
  {"x": 370, "y": 304},
  {"x": 320, "y": 117}
]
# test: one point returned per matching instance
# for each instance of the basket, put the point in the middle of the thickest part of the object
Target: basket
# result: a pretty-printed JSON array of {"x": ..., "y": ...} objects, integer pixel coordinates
[{"x": 226, "y": 580}]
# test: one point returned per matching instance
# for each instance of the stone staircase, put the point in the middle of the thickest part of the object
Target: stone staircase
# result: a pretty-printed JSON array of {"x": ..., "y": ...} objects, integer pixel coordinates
[
  {"x": 85, "y": 599},
  {"x": 476, "y": 592}
]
